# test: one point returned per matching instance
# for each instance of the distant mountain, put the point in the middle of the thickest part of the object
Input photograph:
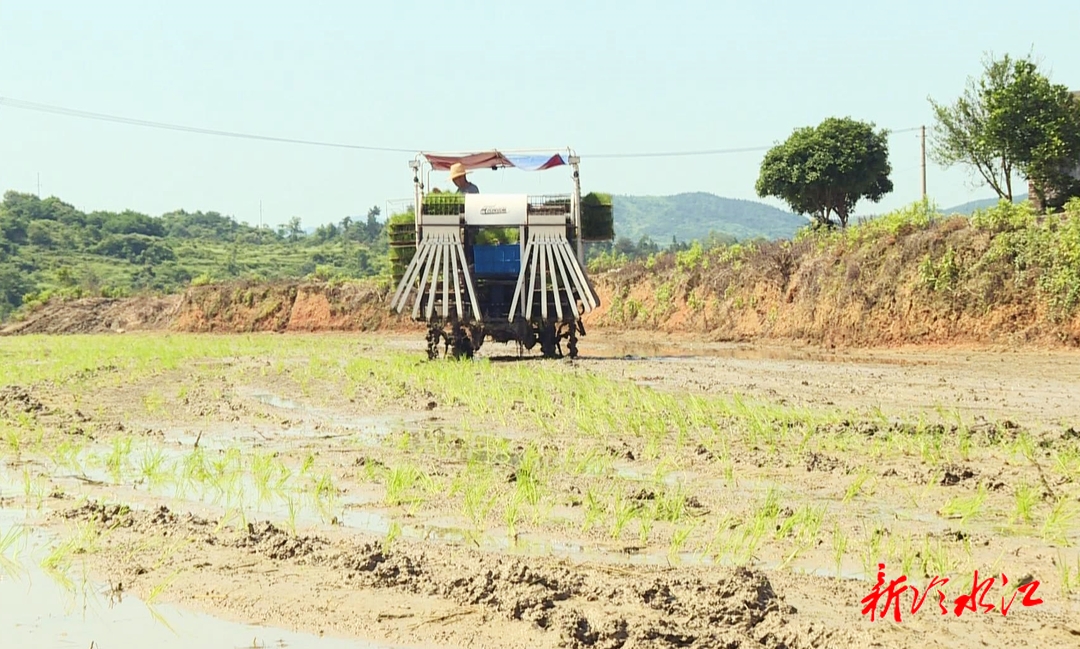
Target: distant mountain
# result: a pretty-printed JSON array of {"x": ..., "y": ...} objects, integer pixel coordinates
[
  {"x": 693, "y": 215},
  {"x": 969, "y": 208}
]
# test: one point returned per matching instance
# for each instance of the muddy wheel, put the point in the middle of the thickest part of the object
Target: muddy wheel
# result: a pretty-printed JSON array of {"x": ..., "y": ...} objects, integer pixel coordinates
[
  {"x": 476, "y": 336},
  {"x": 433, "y": 337},
  {"x": 462, "y": 345},
  {"x": 549, "y": 341}
]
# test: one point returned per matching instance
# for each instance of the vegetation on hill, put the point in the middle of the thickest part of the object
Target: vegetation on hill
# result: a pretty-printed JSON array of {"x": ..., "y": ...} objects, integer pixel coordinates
[
  {"x": 910, "y": 276},
  {"x": 1013, "y": 119},
  {"x": 699, "y": 215},
  {"x": 49, "y": 248}
]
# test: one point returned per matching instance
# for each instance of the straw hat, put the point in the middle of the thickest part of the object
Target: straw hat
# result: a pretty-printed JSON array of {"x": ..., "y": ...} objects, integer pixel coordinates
[{"x": 457, "y": 169}]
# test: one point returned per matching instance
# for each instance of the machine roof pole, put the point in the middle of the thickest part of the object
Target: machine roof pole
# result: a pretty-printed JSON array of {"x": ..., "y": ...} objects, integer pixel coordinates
[
  {"x": 576, "y": 207},
  {"x": 417, "y": 195}
]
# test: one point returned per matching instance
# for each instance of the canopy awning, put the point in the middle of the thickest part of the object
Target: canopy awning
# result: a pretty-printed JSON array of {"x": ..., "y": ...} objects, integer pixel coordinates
[{"x": 489, "y": 159}]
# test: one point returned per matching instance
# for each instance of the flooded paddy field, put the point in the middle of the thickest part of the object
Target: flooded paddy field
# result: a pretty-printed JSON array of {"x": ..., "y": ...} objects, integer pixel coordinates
[{"x": 340, "y": 490}]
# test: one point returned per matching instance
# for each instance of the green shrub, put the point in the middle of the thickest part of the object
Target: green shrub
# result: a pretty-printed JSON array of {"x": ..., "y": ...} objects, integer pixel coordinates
[{"x": 1004, "y": 217}]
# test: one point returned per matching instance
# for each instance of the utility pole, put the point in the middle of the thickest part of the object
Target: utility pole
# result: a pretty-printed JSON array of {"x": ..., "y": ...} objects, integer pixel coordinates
[
  {"x": 39, "y": 185},
  {"x": 924, "y": 162},
  {"x": 260, "y": 214}
]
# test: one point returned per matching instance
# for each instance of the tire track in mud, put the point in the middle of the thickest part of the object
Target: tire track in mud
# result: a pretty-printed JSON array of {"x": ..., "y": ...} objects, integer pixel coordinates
[{"x": 578, "y": 605}]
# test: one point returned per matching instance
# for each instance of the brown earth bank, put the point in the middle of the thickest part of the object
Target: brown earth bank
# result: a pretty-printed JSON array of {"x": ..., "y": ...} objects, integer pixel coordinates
[
  {"x": 949, "y": 283},
  {"x": 225, "y": 308},
  {"x": 945, "y": 281}
]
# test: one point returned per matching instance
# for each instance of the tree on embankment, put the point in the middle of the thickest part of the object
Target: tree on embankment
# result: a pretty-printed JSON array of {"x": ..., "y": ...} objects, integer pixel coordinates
[
  {"x": 825, "y": 170},
  {"x": 1013, "y": 121}
]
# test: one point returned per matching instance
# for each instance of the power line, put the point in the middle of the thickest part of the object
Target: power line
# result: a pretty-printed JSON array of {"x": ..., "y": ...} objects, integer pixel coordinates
[{"x": 71, "y": 112}]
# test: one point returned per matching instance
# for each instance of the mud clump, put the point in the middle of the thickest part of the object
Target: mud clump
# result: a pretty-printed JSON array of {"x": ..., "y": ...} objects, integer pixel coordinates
[
  {"x": 580, "y": 606},
  {"x": 16, "y": 400},
  {"x": 955, "y": 474},
  {"x": 273, "y": 543},
  {"x": 106, "y": 515},
  {"x": 821, "y": 462}
]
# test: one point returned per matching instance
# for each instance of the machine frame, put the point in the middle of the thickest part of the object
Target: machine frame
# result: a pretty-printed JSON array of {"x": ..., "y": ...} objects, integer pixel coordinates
[{"x": 451, "y": 285}]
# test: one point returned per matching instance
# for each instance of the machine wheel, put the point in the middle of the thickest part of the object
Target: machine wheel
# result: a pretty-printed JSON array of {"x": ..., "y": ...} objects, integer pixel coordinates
[
  {"x": 549, "y": 341},
  {"x": 463, "y": 347},
  {"x": 571, "y": 343},
  {"x": 433, "y": 337}
]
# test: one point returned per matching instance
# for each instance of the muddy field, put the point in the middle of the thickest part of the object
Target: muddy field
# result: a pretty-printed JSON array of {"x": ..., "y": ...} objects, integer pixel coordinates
[{"x": 338, "y": 490}]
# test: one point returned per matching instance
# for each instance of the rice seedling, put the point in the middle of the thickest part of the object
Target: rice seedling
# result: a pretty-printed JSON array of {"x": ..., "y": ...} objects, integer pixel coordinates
[
  {"x": 595, "y": 509},
  {"x": 478, "y": 502},
  {"x": 1024, "y": 446},
  {"x": 1070, "y": 577},
  {"x": 402, "y": 485},
  {"x": 152, "y": 466},
  {"x": 528, "y": 477},
  {"x": 856, "y": 486},
  {"x": 292, "y": 509},
  {"x": 839, "y": 544},
  {"x": 153, "y": 402},
  {"x": 1066, "y": 462},
  {"x": 872, "y": 554},
  {"x": 512, "y": 514},
  {"x": 1026, "y": 497},
  {"x": 1056, "y": 526},
  {"x": 116, "y": 461},
  {"x": 810, "y": 519},
  {"x": 393, "y": 533},
  {"x": 936, "y": 559},
  {"x": 12, "y": 439},
  {"x": 930, "y": 447},
  {"x": 679, "y": 538},
  {"x": 670, "y": 505},
  {"x": 623, "y": 511},
  {"x": 65, "y": 455},
  {"x": 9, "y": 550},
  {"x": 964, "y": 444},
  {"x": 160, "y": 587},
  {"x": 908, "y": 555},
  {"x": 965, "y": 507}
]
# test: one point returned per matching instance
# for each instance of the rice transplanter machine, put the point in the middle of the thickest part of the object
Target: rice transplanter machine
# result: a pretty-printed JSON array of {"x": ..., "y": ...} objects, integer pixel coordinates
[{"x": 509, "y": 267}]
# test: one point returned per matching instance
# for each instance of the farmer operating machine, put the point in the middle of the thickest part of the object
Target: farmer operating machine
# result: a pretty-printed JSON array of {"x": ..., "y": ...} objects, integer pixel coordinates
[{"x": 510, "y": 267}]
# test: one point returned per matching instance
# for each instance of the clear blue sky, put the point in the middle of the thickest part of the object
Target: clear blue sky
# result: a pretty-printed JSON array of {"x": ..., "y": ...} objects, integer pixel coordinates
[{"x": 601, "y": 76}]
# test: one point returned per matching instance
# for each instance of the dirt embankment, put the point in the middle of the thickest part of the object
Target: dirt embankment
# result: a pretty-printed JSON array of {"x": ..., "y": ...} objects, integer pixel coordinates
[
  {"x": 235, "y": 307},
  {"x": 945, "y": 284},
  {"x": 98, "y": 315},
  {"x": 293, "y": 306}
]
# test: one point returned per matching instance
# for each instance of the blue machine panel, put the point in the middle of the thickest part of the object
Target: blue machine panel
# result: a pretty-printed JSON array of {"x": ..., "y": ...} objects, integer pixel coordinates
[{"x": 498, "y": 260}]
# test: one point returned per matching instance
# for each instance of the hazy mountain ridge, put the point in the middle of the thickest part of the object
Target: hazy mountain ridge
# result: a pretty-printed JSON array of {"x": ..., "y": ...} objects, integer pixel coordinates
[{"x": 693, "y": 215}]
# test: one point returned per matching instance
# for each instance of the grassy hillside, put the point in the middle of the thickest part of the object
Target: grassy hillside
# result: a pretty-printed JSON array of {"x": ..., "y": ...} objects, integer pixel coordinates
[
  {"x": 1005, "y": 274},
  {"x": 49, "y": 248},
  {"x": 694, "y": 216}
]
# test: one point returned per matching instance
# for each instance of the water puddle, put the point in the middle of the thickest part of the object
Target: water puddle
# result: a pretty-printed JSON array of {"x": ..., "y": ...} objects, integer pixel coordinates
[
  {"x": 276, "y": 401},
  {"x": 62, "y": 608}
]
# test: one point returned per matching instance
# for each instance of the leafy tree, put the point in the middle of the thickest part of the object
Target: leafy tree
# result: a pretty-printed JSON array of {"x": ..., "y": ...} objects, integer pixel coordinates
[
  {"x": 827, "y": 169},
  {"x": 1037, "y": 124},
  {"x": 959, "y": 134},
  {"x": 293, "y": 229},
  {"x": 372, "y": 228},
  {"x": 1012, "y": 119}
]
